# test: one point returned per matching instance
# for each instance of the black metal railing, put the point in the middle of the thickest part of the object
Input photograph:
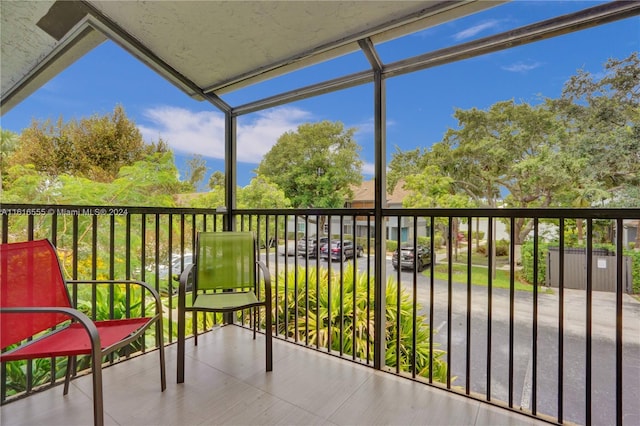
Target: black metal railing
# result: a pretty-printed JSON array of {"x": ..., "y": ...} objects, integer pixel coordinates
[{"x": 495, "y": 316}]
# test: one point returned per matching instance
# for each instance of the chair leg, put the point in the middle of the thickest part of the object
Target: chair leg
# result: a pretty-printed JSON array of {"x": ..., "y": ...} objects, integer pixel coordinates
[
  {"x": 195, "y": 326},
  {"x": 160, "y": 338},
  {"x": 71, "y": 367},
  {"x": 98, "y": 408},
  {"x": 268, "y": 332},
  {"x": 255, "y": 318},
  {"x": 181, "y": 332}
]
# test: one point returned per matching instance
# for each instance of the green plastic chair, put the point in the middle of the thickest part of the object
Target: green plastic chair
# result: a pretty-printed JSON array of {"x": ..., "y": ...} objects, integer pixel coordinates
[{"x": 225, "y": 275}]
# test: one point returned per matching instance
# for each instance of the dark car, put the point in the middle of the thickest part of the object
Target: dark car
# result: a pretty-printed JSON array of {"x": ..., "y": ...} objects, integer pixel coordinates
[
  {"x": 340, "y": 250},
  {"x": 309, "y": 248},
  {"x": 408, "y": 253}
]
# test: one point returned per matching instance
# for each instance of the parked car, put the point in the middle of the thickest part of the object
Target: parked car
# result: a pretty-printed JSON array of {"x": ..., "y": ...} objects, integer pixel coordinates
[
  {"x": 307, "y": 247},
  {"x": 340, "y": 250},
  {"x": 176, "y": 265},
  {"x": 288, "y": 249},
  {"x": 422, "y": 255},
  {"x": 176, "y": 269}
]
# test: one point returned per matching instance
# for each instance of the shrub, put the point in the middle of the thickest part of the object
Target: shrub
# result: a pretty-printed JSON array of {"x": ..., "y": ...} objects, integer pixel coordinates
[
  {"x": 366, "y": 244},
  {"x": 392, "y": 245},
  {"x": 474, "y": 235},
  {"x": 502, "y": 248},
  {"x": 425, "y": 241},
  {"x": 528, "y": 268},
  {"x": 339, "y": 323}
]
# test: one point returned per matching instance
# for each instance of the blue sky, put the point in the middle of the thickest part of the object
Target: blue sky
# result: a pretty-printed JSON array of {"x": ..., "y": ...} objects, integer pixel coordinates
[{"x": 420, "y": 105}]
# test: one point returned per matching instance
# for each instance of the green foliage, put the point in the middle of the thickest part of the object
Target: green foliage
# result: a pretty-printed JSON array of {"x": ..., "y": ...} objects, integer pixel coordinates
[
  {"x": 94, "y": 148},
  {"x": 216, "y": 180},
  {"x": 367, "y": 245},
  {"x": 124, "y": 300},
  {"x": 151, "y": 181},
  {"x": 474, "y": 235},
  {"x": 635, "y": 269},
  {"x": 479, "y": 277},
  {"x": 602, "y": 114},
  {"x": 197, "y": 168},
  {"x": 335, "y": 306},
  {"x": 392, "y": 245},
  {"x": 528, "y": 268},
  {"x": 315, "y": 166},
  {"x": 16, "y": 380},
  {"x": 501, "y": 246},
  {"x": 574, "y": 151},
  {"x": 424, "y": 241}
]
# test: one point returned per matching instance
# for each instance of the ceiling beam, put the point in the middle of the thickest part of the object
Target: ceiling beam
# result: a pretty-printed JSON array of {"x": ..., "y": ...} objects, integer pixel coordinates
[
  {"x": 112, "y": 30},
  {"x": 587, "y": 18}
]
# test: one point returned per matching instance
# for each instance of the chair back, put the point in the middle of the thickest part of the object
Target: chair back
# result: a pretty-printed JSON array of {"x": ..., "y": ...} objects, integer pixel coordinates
[
  {"x": 225, "y": 260},
  {"x": 30, "y": 276}
]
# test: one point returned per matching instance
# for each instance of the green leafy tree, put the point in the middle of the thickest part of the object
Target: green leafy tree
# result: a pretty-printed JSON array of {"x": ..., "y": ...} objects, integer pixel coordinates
[
  {"x": 431, "y": 188},
  {"x": 95, "y": 148},
  {"x": 197, "y": 169},
  {"x": 8, "y": 145},
  {"x": 314, "y": 166},
  {"x": 216, "y": 180},
  {"x": 602, "y": 114},
  {"x": 262, "y": 194}
]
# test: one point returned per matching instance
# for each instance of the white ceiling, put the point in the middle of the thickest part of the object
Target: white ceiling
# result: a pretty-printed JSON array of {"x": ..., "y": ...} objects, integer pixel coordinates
[{"x": 205, "y": 47}]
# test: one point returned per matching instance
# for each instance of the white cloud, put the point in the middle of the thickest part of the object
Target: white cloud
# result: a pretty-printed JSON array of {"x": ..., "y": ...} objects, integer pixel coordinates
[
  {"x": 368, "y": 169},
  {"x": 472, "y": 31},
  {"x": 522, "y": 66},
  {"x": 203, "y": 132}
]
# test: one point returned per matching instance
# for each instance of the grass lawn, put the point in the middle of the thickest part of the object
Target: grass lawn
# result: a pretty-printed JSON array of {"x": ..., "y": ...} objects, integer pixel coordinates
[
  {"x": 480, "y": 259},
  {"x": 479, "y": 276}
]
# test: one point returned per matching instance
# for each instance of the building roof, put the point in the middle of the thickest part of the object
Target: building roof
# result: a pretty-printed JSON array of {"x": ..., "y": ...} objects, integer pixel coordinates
[{"x": 365, "y": 192}]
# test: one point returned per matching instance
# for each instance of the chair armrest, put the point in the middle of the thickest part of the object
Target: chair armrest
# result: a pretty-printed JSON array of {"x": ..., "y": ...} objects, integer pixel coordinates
[
  {"x": 77, "y": 315},
  {"x": 267, "y": 278},
  {"x": 184, "y": 278},
  {"x": 143, "y": 284}
]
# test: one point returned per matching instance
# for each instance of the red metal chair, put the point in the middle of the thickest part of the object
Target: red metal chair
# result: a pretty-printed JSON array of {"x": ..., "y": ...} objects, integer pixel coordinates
[{"x": 35, "y": 302}]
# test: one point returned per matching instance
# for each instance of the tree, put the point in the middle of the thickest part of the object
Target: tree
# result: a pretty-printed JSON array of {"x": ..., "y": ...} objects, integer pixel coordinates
[
  {"x": 95, "y": 148},
  {"x": 8, "y": 144},
  {"x": 216, "y": 179},
  {"x": 314, "y": 166},
  {"x": 431, "y": 188},
  {"x": 602, "y": 115},
  {"x": 197, "y": 168},
  {"x": 511, "y": 149},
  {"x": 262, "y": 194},
  {"x": 151, "y": 181}
]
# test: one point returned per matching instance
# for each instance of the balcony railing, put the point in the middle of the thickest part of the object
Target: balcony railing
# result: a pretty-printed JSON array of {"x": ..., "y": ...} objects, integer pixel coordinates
[{"x": 497, "y": 314}]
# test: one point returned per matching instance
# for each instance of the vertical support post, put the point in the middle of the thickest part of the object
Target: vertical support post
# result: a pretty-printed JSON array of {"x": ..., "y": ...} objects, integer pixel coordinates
[
  {"x": 230, "y": 170},
  {"x": 380, "y": 201},
  {"x": 230, "y": 180}
]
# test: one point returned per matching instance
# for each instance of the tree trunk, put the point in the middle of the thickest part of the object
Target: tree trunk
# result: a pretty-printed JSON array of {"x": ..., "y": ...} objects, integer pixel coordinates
[
  {"x": 493, "y": 265},
  {"x": 454, "y": 235},
  {"x": 580, "y": 229}
]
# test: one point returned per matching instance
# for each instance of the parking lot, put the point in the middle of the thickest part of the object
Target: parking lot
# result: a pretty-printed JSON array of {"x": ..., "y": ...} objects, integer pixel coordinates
[{"x": 574, "y": 343}]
